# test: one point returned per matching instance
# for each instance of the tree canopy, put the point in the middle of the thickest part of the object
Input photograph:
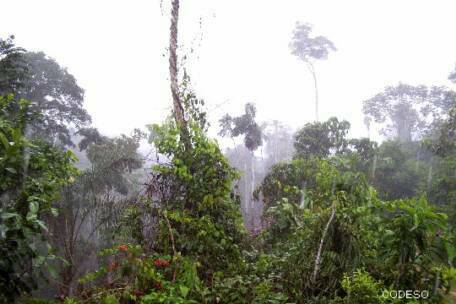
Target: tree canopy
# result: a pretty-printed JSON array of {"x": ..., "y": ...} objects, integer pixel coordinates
[
  {"x": 52, "y": 90},
  {"x": 308, "y": 48},
  {"x": 243, "y": 125},
  {"x": 407, "y": 112},
  {"x": 322, "y": 139}
]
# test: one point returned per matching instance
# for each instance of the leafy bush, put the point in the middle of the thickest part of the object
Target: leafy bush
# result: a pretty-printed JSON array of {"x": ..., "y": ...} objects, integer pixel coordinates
[
  {"x": 361, "y": 288},
  {"x": 32, "y": 173}
]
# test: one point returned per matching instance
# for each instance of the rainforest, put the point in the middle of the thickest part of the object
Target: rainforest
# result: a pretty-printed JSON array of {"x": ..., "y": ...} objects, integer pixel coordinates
[{"x": 271, "y": 172}]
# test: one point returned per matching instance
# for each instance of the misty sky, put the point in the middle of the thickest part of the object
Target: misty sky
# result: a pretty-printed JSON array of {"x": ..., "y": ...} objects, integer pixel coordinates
[{"x": 117, "y": 52}]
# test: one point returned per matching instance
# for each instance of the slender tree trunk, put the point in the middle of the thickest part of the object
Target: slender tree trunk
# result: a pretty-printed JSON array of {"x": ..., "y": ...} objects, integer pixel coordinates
[
  {"x": 252, "y": 188},
  {"x": 314, "y": 75},
  {"x": 235, "y": 146},
  {"x": 66, "y": 275},
  {"x": 252, "y": 172},
  {"x": 276, "y": 144},
  {"x": 246, "y": 191},
  {"x": 178, "y": 111}
]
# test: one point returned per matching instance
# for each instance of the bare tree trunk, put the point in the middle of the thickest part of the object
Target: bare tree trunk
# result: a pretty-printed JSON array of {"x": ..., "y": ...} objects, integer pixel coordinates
[
  {"x": 246, "y": 191},
  {"x": 252, "y": 188},
  {"x": 276, "y": 144},
  {"x": 252, "y": 172},
  {"x": 314, "y": 75},
  {"x": 234, "y": 145},
  {"x": 178, "y": 110},
  {"x": 320, "y": 247}
]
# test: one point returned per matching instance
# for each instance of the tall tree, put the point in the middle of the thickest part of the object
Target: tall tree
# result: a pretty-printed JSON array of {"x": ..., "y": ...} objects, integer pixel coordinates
[
  {"x": 279, "y": 143},
  {"x": 56, "y": 95},
  {"x": 310, "y": 49},
  {"x": 52, "y": 90},
  {"x": 253, "y": 138},
  {"x": 243, "y": 125},
  {"x": 407, "y": 112}
]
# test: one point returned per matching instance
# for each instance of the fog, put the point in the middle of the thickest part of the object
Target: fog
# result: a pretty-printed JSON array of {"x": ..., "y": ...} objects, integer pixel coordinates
[
  {"x": 229, "y": 152},
  {"x": 117, "y": 52}
]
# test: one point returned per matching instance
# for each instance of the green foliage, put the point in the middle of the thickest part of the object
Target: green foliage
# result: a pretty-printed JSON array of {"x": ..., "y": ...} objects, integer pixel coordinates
[
  {"x": 193, "y": 105},
  {"x": 445, "y": 144},
  {"x": 400, "y": 170},
  {"x": 285, "y": 180},
  {"x": 32, "y": 174},
  {"x": 198, "y": 231},
  {"x": 243, "y": 125},
  {"x": 206, "y": 220},
  {"x": 327, "y": 237},
  {"x": 51, "y": 89},
  {"x": 296, "y": 231},
  {"x": 135, "y": 276},
  {"x": 361, "y": 288},
  {"x": 410, "y": 238},
  {"x": 13, "y": 68},
  {"x": 254, "y": 283},
  {"x": 321, "y": 139},
  {"x": 110, "y": 159},
  {"x": 91, "y": 207},
  {"x": 414, "y": 238}
]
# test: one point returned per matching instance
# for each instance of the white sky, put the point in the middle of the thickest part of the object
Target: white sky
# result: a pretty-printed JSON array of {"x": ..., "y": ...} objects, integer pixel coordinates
[{"x": 116, "y": 51}]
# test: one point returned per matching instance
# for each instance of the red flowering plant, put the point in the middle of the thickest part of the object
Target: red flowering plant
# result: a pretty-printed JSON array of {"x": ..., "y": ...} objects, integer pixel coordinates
[
  {"x": 131, "y": 274},
  {"x": 161, "y": 263}
]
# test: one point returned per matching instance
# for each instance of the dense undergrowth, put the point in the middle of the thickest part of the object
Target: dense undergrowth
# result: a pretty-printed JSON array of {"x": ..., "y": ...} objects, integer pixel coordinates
[
  {"x": 334, "y": 230},
  {"x": 333, "y": 242}
]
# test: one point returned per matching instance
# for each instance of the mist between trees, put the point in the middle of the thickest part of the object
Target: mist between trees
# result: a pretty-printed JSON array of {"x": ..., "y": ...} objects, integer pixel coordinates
[{"x": 280, "y": 216}]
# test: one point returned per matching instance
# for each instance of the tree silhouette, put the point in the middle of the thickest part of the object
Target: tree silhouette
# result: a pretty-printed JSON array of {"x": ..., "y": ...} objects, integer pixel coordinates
[
  {"x": 310, "y": 49},
  {"x": 407, "y": 111}
]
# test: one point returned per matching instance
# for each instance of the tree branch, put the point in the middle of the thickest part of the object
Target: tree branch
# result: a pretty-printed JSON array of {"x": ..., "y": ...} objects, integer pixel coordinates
[{"x": 320, "y": 248}]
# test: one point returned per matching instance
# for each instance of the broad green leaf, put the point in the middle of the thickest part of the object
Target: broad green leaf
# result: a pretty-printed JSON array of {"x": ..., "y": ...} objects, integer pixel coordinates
[
  {"x": 34, "y": 207},
  {"x": 184, "y": 290}
]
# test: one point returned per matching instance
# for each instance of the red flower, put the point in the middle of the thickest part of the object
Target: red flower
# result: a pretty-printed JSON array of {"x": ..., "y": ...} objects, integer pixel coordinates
[
  {"x": 123, "y": 247},
  {"x": 161, "y": 263},
  {"x": 165, "y": 263},
  {"x": 157, "y": 285},
  {"x": 158, "y": 263}
]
